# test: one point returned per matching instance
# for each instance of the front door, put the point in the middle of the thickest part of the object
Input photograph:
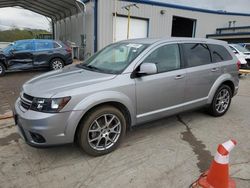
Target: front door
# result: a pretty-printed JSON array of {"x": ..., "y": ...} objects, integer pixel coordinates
[
  {"x": 161, "y": 94},
  {"x": 21, "y": 56}
]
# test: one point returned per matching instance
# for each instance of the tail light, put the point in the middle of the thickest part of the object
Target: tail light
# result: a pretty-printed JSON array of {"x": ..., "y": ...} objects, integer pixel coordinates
[
  {"x": 238, "y": 65},
  {"x": 68, "y": 49}
]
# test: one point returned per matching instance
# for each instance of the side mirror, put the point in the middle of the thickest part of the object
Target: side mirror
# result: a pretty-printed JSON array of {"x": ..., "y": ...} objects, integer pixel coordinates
[{"x": 147, "y": 69}]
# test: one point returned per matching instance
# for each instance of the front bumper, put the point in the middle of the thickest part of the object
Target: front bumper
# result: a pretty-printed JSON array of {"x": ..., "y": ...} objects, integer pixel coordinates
[{"x": 54, "y": 128}]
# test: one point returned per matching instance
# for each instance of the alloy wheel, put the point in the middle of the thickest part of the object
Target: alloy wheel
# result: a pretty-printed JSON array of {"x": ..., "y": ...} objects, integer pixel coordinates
[
  {"x": 104, "y": 132},
  {"x": 56, "y": 65},
  {"x": 222, "y": 101}
]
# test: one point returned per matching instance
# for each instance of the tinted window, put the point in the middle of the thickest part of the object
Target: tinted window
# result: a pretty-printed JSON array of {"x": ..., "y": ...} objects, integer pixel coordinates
[
  {"x": 55, "y": 45},
  {"x": 43, "y": 45},
  {"x": 23, "y": 46},
  {"x": 166, "y": 58},
  {"x": 219, "y": 53},
  {"x": 196, "y": 54},
  {"x": 248, "y": 46}
]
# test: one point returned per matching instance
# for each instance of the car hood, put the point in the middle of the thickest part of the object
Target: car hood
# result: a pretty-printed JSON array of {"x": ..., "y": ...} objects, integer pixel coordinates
[{"x": 71, "y": 77}]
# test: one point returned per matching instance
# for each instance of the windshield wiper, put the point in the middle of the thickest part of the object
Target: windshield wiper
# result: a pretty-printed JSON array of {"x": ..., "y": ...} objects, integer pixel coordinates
[{"x": 89, "y": 67}]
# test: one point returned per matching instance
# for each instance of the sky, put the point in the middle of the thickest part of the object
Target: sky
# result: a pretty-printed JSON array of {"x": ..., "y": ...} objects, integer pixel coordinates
[{"x": 21, "y": 18}]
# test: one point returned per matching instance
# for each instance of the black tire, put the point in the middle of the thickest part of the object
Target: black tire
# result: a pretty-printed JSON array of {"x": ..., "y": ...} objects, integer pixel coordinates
[
  {"x": 85, "y": 134},
  {"x": 213, "y": 108},
  {"x": 2, "y": 69},
  {"x": 56, "y": 64}
]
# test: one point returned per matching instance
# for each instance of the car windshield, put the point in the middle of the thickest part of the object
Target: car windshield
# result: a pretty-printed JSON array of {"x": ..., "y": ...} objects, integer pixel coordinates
[
  {"x": 240, "y": 48},
  {"x": 114, "y": 58}
]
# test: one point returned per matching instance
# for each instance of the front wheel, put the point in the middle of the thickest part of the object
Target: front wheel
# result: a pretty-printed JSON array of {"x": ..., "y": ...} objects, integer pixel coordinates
[
  {"x": 2, "y": 69},
  {"x": 56, "y": 64},
  {"x": 221, "y": 101},
  {"x": 102, "y": 130}
]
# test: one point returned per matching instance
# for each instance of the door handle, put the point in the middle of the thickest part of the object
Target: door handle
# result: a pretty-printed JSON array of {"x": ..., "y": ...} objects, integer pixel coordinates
[
  {"x": 178, "y": 77},
  {"x": 214, "y": 69}
]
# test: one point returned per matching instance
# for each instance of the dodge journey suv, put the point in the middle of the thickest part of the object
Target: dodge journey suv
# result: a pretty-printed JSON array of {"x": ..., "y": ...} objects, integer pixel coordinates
[
  {"x": 123, "y": 85},
  {"x": 34, "y": 54}
]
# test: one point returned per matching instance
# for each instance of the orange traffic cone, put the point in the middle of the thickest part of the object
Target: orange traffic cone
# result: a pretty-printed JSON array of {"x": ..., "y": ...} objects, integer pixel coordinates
[{"x": 218, "y": 174}]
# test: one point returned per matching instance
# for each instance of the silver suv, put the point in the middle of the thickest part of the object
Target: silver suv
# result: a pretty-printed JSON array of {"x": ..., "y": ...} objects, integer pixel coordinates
[{"x": 123, "y": 85}]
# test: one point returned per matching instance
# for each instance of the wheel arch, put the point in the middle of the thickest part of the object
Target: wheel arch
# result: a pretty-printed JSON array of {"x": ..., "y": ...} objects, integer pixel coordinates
[
  {"x": 120, "y": 106},
  {"x": 3, "y": 63},
  {"x": 56, "y": 57},
  {"x": 223, "y": 80}
]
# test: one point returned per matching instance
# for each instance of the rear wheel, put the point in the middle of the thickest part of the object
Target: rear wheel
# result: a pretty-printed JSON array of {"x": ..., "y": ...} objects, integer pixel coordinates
[
  {"x": 56, "y": 64},
  {"x": 2, "y": 69},
  {"x": 221, "y": 101},
  {"x": 102, "y": 130}
]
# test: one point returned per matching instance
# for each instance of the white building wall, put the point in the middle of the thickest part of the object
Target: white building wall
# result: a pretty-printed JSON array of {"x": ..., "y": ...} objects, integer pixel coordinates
[{"x": 160, "y": 25}]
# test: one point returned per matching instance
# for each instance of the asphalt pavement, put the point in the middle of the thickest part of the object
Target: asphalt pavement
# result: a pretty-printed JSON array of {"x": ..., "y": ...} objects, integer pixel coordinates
[{"x": 172, "y": 152}]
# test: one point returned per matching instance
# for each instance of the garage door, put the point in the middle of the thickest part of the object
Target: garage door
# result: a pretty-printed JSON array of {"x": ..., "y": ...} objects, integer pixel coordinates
[{"x": 138, "y": 28}]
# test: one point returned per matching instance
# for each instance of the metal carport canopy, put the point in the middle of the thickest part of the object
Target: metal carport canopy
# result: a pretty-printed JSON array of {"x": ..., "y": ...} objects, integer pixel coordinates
[{"x": 54, "y": 9}]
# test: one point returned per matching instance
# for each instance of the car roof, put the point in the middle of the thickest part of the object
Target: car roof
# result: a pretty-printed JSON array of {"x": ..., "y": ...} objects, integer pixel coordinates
[
  {"x": 28, "y": 40},
  {"x": 174, "y": 39}
]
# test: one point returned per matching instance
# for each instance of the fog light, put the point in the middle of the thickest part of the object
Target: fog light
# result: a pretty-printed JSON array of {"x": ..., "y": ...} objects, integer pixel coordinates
[{"x": 37, "y": 137}]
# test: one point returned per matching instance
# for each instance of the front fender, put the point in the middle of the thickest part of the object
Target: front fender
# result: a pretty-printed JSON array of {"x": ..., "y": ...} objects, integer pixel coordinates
[
  {"x": 217, "y": 84},
  {"x": 96, "y": 99}
]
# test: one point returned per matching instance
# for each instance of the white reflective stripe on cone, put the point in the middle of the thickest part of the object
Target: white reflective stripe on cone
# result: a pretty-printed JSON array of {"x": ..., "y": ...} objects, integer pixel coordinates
[
  {"x": 229, "y": 145},
  {"x": 221, "y": 159}
]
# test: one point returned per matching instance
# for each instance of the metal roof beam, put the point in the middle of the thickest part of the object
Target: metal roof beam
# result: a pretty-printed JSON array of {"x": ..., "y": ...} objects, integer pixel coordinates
[
  {"x": 71, "y": 4},
  {"x": 40, "y": 8},
  {"x": 68, "y": 9}
]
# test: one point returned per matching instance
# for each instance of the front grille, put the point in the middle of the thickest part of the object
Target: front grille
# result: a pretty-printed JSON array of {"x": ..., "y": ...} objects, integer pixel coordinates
[
  {"x": 26, "y": 105},
  {"x": 26, "y": 101},
  {"x": 28, "y": 97}
]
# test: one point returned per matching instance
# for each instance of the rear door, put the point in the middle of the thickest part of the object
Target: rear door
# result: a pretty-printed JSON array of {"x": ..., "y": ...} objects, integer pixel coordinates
[
  {"x": 21, "y": 57},
  {"x": 43, "y": 52},
  {"x": 201, "y": 72}
]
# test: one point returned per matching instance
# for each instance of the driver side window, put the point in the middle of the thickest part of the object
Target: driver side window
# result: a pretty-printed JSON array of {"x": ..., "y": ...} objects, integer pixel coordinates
[
  {"x": 166, "y": 58},
  {"x": 23, "y": 46}
]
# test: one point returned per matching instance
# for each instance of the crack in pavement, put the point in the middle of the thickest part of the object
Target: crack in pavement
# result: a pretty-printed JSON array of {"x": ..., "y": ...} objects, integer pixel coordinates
[{"x": 204, "y": 156}]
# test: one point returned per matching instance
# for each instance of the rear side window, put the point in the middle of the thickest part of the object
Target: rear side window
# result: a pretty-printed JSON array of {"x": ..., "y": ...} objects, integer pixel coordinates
[
  {"x": 166, "y": 58},
  {"x": 248, "y": 46},
  {"x": 56, "y": 45},
  {"x": 219, "y": 53},
  {"x": 43, "y": 45},
  {"x": 196, "y": 54}
]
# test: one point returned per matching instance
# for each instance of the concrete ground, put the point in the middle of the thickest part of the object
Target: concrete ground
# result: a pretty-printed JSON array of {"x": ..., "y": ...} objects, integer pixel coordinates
[{"x": 171, "y": 152}]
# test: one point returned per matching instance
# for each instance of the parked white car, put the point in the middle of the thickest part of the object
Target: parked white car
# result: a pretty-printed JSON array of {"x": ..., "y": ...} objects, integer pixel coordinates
[{"x": 242, "y": 54}]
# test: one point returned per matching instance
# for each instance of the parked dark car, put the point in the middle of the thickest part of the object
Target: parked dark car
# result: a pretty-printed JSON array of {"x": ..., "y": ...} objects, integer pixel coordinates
[{"x": 34, "y": 54}]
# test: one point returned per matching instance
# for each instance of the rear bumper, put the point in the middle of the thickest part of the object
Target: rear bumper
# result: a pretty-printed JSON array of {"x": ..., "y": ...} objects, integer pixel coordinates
[{"x": 68, "y": 60}]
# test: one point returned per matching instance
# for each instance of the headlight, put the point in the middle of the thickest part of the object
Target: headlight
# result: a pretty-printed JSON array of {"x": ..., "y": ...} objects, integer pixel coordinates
[{"x": 49, "y": 105}]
